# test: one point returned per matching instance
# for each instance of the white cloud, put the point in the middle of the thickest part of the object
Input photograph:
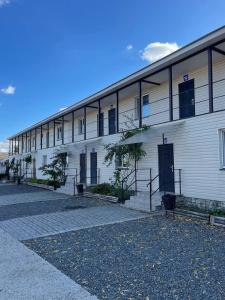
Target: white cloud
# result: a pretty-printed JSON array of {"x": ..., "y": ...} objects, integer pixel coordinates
[
  {"x": 62, "y": 108},
  {"x": 4, "y": 146},
  {"x": 129, "y": 47},
  {"x": 155, "y": 51},
  {"x": 9, "y": 90},
  {"x": 4, "y": 2}
]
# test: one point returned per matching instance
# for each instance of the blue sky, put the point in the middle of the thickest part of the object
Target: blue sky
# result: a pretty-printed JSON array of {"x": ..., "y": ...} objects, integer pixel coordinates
[{"x": 56, "y": 52}]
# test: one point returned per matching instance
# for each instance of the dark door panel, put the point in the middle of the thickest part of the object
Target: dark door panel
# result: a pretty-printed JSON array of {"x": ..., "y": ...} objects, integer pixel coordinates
[
  {"x": 83, "y": 168},
  {"x": 187, "y": 99},
  {"x": 112, "y": 120},
  {"x": 166, "y": 168},
  {"x": 93, "y": 167}
]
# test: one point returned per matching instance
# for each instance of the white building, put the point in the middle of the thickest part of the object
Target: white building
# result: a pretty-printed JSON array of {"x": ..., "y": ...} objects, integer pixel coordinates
[{"x": 183, "y": 101}]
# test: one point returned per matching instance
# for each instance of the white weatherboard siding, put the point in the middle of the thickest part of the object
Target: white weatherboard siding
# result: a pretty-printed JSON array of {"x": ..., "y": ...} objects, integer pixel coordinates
[{"x": 196, "y": 140}]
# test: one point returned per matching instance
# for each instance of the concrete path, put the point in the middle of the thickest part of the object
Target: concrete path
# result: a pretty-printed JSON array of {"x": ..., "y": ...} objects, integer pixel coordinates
[
  {"x": 25, "y": 275},
  {"x": 47, "y": 224},
  {"x": 30, "y": 197}
]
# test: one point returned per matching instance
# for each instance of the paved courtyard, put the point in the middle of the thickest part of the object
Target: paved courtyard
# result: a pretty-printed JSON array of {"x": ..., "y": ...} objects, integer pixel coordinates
[{"x": 89, "y": 249}]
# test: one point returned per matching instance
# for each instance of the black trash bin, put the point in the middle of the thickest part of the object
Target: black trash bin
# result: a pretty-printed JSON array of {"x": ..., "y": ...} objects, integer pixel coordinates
[
  {"x": 80, "y": 188},
  {"x": 169, "y": 201}
]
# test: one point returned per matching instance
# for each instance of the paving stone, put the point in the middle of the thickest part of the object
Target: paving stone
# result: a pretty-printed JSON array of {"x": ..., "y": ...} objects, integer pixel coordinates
[{"x": 47, "y": 224}]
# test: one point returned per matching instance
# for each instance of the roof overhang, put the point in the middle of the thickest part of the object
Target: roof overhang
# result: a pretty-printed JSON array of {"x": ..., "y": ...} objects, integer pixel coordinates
[
  {"x": 213, "y": 38},
  {"x": 145, "y": 136}
]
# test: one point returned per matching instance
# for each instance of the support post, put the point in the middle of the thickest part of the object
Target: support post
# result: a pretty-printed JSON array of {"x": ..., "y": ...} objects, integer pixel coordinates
[
  {"x": 18, "y": 149},
  {"x": 48, "y": 137},
  {"x": 11, "y": 146},
  {"x": 22, "y": 143},
  {"x": 170, "y": 73},
  {"x": 73, "y": 127},
  {"x": 62, "y": 130},
  {"x": 35, "y": 137},
  {"x": 53, "y": 133},
  {"x": 26, "y": 142},
  {"x": 30, "y": 139},
  {"x": 85, "y": 120},
  {"x": 140, "y": 104},
  {"x": 41, "y": 137},
  {"x": 117, "y": 111},
  {"x": 210, "y": 79},
  {"x": 99, "y": 118}
]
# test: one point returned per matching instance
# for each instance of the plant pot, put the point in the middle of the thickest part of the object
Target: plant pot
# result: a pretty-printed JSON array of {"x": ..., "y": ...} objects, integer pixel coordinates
[
  {"x": 169, "y": 201},
  {"x": 80, "y": 188}
]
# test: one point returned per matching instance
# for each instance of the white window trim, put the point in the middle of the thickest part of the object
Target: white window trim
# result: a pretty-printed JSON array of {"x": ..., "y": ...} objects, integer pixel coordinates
[{"x": 59, "y": 133}]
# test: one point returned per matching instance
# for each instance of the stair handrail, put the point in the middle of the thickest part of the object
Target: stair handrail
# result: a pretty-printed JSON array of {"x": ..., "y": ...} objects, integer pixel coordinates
[{"x": 122, "y": 183}]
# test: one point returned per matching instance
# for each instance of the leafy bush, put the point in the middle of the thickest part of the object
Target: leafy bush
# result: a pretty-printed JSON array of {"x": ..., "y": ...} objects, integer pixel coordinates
[
  {"x": 217, "y": 212},
  {"x": 42, "y": 181},
  {"x": 111, "y": 190},
  {"x": 103, "y": 188}
]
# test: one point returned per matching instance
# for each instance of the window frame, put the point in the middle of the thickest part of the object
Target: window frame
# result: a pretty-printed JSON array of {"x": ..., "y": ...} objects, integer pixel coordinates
[
  {"x": 80, "y": 126},
  {"x": 136, "y": 104},
  {"x": 59, "y": 133}
]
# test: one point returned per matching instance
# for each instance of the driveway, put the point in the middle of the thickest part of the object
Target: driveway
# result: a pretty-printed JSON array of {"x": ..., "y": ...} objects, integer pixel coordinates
[
  {"x": 87, "y": 249},
  {"x": 26, "y": 213},
  {"x": 45, "y": 213}
]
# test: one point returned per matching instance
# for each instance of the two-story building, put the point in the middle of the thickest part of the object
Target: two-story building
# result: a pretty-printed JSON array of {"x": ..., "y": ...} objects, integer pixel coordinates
[{"x": 182, "y": 100}]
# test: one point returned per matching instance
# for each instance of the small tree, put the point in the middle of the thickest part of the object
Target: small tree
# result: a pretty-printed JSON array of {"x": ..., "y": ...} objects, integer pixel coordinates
[
  {"x": 131, "y": 154},
  {"x": 56, "y": 170}
]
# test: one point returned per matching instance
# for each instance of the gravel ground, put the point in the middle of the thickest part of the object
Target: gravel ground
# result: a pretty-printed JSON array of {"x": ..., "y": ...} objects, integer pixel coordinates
[
  {"x": 152, "y": 258},
  {"x": 8, "y": 212}
]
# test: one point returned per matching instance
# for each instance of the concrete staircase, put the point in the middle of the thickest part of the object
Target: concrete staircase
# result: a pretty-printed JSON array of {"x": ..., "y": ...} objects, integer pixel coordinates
[
  {"x": 68, "y": 188},
  {"x": 141, "y": 201}
]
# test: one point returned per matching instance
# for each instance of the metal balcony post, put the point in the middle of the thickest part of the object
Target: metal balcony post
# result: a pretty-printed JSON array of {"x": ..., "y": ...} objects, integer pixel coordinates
[
  {"x": 73, "y": 127},
  {"x": 140, "y": 104},
  {"x": 170, "y": 71},
  {"x": 210, "y": 79},
  {"x": 117, "y": 111}
]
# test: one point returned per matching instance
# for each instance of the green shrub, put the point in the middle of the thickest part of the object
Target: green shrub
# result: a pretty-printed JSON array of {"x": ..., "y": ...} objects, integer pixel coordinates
[
  {"x": 110, "y": 190},
  {"x": 217, "y": 212},
  {"x": 103, "y": 188},
  {"x": 43, "y": 181}
]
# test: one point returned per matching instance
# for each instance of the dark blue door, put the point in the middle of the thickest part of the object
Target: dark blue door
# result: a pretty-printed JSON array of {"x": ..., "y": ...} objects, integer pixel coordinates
[
  {"x": 112, "y": 120},
  {"x": 166, "y": 168}
]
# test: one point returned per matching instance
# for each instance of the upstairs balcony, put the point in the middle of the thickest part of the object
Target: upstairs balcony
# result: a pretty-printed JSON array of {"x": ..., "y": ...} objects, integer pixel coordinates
[{"x": 188, "y": 88}]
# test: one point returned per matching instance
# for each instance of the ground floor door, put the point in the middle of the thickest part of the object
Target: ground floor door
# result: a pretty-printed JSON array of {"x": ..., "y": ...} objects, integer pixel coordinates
[
  {"x": 82, "y": 168},
  {"x": 93, "y": 161},
  {"x": 166, "y": 168}
]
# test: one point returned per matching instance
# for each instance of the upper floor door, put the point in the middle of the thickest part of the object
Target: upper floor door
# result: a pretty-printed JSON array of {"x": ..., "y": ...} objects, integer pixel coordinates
[
  {"x": 112, "y": 120},
  {"x": 187, "y": 99}
]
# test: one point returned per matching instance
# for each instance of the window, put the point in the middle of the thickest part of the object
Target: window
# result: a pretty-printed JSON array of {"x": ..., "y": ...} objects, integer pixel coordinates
[
  {"x": 222, "y": 148},
  {"x": 59, "y": 133},
  {"x": 33, "y": 141},
  {"x": 44, "y": 160},
  {"x": 81, "y": 126},
  {"x": 121, "y": 161},
  {"x": 145, "y": 107}
]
